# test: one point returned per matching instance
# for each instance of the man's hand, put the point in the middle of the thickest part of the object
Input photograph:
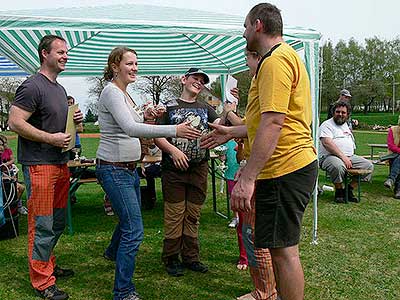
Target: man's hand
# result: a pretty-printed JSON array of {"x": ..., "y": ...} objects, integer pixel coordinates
[
  {"x": 235, "y": 93},
  {"x": 160, "y": 110},
  {"x": 242, "y": 193},
  {"x": 78, "y": 117},
  {"x": 347, "y": 162},
  {"x": 59, "y": 139},
  {"x": 180, "y": 159},
  {"x": 219, "y": 136}
]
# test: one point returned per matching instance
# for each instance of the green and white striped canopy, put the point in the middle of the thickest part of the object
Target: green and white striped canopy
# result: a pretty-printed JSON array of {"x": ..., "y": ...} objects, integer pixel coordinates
[{"x": 167, "y": 40}]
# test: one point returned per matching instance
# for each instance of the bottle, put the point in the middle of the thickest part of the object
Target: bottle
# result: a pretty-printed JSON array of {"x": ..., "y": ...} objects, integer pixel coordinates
[{"x": 327, "y": 188}]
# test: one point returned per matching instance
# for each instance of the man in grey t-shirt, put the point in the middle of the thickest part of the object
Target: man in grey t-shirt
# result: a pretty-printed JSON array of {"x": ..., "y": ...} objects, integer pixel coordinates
[{"x": 38, "y": 115}]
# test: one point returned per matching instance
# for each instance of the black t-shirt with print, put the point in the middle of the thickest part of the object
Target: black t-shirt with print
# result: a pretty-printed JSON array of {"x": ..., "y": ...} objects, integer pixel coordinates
[
  {"x": 47, "y": 101},
  {"x": 199, "y": 114}
]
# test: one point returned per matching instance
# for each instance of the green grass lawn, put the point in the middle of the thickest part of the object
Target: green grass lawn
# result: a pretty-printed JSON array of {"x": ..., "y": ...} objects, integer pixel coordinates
[{"x": 357, "y": 256}]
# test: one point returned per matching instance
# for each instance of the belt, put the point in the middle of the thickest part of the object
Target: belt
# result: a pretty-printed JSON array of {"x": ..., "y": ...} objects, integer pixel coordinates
[{"x": 131, "y": 165}]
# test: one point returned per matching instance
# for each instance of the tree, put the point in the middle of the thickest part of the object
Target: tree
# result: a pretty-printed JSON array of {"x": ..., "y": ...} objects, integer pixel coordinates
[
  {"x": 368, "y": 71},
  {"x": 328, "y": 88},
  {"x": 157, "y": 87},
  {"x": 90, "y": 117},
  {"x": 97, "y": 85},
  {"x": 8, "y": 87}
]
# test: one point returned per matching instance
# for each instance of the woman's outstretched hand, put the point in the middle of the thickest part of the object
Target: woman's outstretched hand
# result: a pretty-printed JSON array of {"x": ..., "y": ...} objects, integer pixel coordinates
[{"x": 186, "y": 130}]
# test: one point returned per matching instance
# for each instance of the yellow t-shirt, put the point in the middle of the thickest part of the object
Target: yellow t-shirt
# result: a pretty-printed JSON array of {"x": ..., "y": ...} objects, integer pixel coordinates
[{"x": 282, "y": 85}]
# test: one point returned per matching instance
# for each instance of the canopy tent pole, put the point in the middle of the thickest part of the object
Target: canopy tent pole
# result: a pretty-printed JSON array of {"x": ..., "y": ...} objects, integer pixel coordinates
[
  {"x": 222, "y": 77},
  {"x": 312, "y": 63}
]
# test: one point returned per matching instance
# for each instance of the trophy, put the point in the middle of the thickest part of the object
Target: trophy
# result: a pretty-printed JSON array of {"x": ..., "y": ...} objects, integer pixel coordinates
[{"x": 221, "y": 151}]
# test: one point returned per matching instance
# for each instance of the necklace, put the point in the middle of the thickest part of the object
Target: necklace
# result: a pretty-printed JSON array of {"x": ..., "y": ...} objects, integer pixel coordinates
[
  {"x": 188, "y": 101},
  {"x": 135, "y": 107}
]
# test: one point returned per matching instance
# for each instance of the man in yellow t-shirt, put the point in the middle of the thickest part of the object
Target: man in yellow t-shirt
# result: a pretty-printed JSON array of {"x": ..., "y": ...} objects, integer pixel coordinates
[{"x": 282, "y": 168}]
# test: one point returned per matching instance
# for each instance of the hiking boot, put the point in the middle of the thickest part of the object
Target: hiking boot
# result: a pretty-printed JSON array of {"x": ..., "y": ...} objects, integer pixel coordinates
[
  {"x": 196, "y": 266},
  {"x": 108, "y": 257},
  {"x": 52, "y": 293},
  {"x": 174, "y": 267},
  {"x": 132, "y": 296},
  {"x": 339, "y": 196},
  {"x": 389, "y": 183},
  {"x": 62, "y": 273},
  {"x": 397, "y": 195},
  {"x": 350, "y": 195}
]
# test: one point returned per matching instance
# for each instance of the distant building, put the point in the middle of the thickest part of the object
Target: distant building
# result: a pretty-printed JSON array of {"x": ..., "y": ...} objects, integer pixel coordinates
[{"x": 210, "y": 98}]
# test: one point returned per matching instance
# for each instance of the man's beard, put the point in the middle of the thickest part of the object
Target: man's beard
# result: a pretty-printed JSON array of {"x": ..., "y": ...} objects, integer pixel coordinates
[{"x": 339, "y": 120}]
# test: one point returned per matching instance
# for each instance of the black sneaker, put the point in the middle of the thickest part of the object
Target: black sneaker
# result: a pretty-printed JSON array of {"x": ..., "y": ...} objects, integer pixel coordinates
[
  {"x": 62, "y": 273},
  {"x": 52, "y": 293},
  {"x": 350, "y": 195},
  {"x": 196, "y": 266},
  {"x": 339, "y": 196},
  {"x": 174, "y": 267},
  {"x": 108, "y": 257}
]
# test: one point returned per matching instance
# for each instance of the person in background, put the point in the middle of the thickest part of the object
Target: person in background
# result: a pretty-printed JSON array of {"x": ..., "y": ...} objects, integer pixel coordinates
[
  {"x": 345, "y": 96},
  {"x": 336, "y": 153},
  {"x": 39, "y": 115},
  {"x": 233, "y": 167},
  {"x": 259, "y": 259},
  {"x": 79, "y": 129},
  {"x": 150, "y": 171},
  {"x": 393, "y": 142},
  {"x": 78, "y": 146},
  {"x": 278, "y": 126},
  {"x": 10, "y": 170},
  {"x": 228, "y": 114},
  {"x": 121, "y": 125},
  {"x": 184, "y": 177}
]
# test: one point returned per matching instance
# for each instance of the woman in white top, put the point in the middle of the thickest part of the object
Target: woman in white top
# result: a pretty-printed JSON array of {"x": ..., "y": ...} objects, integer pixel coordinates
[{"x": 121, "y": 125}]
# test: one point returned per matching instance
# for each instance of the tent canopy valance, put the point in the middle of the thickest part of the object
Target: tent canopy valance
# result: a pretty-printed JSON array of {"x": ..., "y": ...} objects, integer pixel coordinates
[{"x": 168, "y": 40}]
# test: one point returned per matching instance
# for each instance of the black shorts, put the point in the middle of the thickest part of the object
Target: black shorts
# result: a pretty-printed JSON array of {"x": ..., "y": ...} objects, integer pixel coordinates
[{"x": 280, "y": 205}]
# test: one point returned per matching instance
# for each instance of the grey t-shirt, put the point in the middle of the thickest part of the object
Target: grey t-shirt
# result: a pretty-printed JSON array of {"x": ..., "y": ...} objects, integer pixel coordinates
[{"x": 47, "y": 101}]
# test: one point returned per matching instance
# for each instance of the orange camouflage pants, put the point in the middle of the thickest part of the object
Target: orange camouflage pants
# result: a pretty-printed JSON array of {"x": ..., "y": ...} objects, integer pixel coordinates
[
  {"x": 259, "y": 260},
  {"x": 47, "y": 187}
]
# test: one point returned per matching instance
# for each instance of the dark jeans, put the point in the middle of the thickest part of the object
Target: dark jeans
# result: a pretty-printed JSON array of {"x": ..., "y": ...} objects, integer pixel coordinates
[
  {"x": 395, "y": 172},
  {"x": 149, "y": 191},
  {"x": 122, "y": 187}
]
